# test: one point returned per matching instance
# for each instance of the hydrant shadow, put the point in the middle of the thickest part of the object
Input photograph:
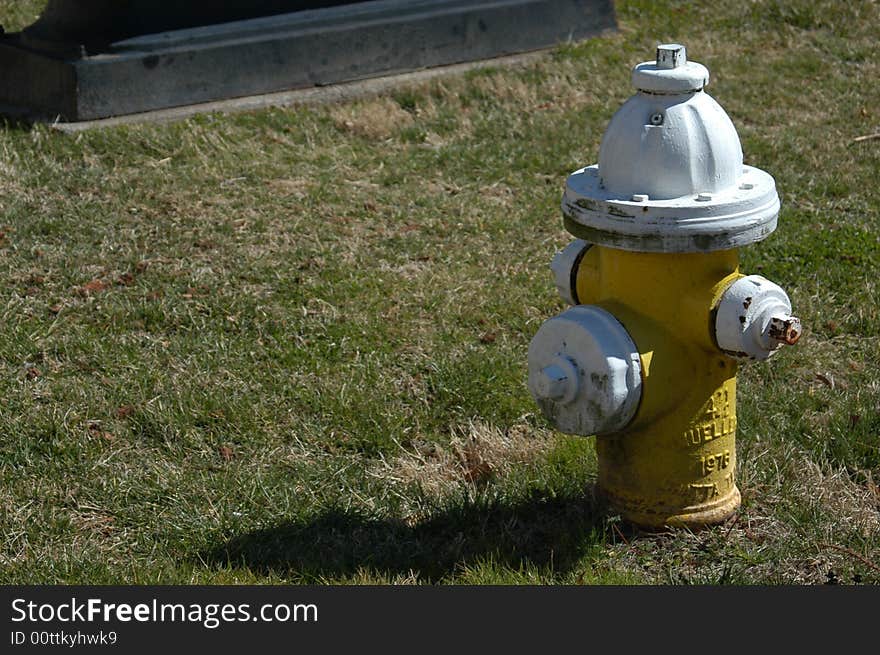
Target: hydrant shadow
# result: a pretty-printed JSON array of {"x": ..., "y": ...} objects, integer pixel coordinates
[{"x": 541, "y": 531}]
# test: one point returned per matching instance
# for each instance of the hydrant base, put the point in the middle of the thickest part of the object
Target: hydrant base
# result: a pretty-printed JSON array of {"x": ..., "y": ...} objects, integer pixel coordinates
[{"x": 705, "y": 515}]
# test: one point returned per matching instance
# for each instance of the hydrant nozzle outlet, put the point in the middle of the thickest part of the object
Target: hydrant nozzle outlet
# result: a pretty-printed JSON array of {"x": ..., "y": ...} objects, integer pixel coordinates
[
  {"x": 558, "y": 381},
  {"x": 646, "y": 357},
  {"x": 785, "y": 329},
  {"x": 584, "y": 370},
  {"x": 753, "y": 319}
]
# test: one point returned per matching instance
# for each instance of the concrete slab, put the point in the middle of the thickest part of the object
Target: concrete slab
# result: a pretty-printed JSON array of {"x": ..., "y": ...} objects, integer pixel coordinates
[
  {"x": 272, "y": 54},
  {"x": 373, "y": 86}
]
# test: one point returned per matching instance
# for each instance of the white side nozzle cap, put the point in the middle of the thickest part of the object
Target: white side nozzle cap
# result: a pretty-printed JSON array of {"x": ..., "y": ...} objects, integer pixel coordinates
[
  {"x": 754, "y": 319},
  {"x": 564, "y": 267}
]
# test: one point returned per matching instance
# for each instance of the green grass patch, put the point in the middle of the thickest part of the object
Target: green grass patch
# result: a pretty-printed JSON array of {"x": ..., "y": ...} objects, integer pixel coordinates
[{"x": 289, "y": 345}]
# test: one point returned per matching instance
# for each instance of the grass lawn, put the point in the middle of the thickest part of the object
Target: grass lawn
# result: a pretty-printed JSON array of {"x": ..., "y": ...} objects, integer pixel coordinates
[{"x": 289, "y": 345}]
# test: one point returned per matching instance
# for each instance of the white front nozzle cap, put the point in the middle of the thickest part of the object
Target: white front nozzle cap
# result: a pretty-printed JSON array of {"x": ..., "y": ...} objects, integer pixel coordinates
[{"x": 585, "y": 372}]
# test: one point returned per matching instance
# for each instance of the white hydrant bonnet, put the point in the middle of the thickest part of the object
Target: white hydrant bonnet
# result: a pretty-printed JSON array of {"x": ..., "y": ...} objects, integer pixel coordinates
[{"x": 670, "y": 176}]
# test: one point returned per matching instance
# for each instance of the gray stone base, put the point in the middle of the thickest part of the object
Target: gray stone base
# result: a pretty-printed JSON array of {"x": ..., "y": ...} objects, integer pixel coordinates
[{"x": 275, "y": 53}]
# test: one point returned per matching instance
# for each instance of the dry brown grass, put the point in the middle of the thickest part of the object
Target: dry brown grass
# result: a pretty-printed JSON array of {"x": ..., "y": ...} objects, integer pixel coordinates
[
  {"x": 373, "y": 118},
  {"x": 476, "y": 453}
]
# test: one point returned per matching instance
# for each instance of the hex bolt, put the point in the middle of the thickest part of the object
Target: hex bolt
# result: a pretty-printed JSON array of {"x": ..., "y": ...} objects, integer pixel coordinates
[
  {"x": 558, "y": 381},
  {"x": 785, "y": 329},
  {"x": 671, "y": 55}
]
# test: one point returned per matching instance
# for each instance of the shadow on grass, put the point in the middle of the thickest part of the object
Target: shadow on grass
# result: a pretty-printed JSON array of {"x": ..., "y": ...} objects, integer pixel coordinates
[
  {"x": 16, "y": 123},
  {"x": 547, "y": 532}
]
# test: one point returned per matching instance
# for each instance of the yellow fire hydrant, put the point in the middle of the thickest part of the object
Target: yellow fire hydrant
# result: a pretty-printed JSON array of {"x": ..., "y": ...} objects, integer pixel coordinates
[{"x": 646, "y": 357}]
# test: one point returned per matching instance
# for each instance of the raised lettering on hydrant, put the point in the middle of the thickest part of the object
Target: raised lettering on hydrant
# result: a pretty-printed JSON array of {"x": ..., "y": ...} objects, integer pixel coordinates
[{"x": 646, "y": 357}]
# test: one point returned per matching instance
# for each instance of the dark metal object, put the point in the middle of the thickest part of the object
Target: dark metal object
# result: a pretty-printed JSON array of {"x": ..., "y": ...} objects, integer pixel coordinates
[
  {"x": 89, "y": 59},
  {"x": 67, "y": 25}
]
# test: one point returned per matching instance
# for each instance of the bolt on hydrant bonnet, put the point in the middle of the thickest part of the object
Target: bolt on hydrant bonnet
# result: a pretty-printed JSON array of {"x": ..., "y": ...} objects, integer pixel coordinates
[{"x": 641, "y": 197}]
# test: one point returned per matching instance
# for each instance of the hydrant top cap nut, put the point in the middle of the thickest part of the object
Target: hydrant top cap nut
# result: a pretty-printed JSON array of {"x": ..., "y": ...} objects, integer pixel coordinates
[
  {"x": 671, "y": 55},
  {"x": 670, "y": 73}
]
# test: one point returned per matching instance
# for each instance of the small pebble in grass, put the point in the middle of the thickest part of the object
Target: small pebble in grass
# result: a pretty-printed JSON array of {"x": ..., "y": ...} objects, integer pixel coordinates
[
  {"x": 95, "y": 429},
  {"x": 31, "y": 372},
  {"x": 124, "y": 411},
  {"x": 91, "y": 287},
  {"x": 488, "y": 337}
]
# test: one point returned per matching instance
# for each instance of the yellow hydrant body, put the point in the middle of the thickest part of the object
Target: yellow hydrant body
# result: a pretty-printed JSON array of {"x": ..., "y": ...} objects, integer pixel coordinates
[
  {"x": 674, "y": 463},
  {"x": 646, "y": 358}
]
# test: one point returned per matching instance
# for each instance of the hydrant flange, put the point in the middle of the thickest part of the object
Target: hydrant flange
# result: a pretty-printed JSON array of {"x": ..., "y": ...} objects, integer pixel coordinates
[{"x": 699, "y": 222}]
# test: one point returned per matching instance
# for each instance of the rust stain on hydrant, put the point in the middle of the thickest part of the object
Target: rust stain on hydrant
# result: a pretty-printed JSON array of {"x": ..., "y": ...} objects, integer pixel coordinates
[
  {"x": 646, "y": 357},
  {"x": 788, "y": 331}
]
